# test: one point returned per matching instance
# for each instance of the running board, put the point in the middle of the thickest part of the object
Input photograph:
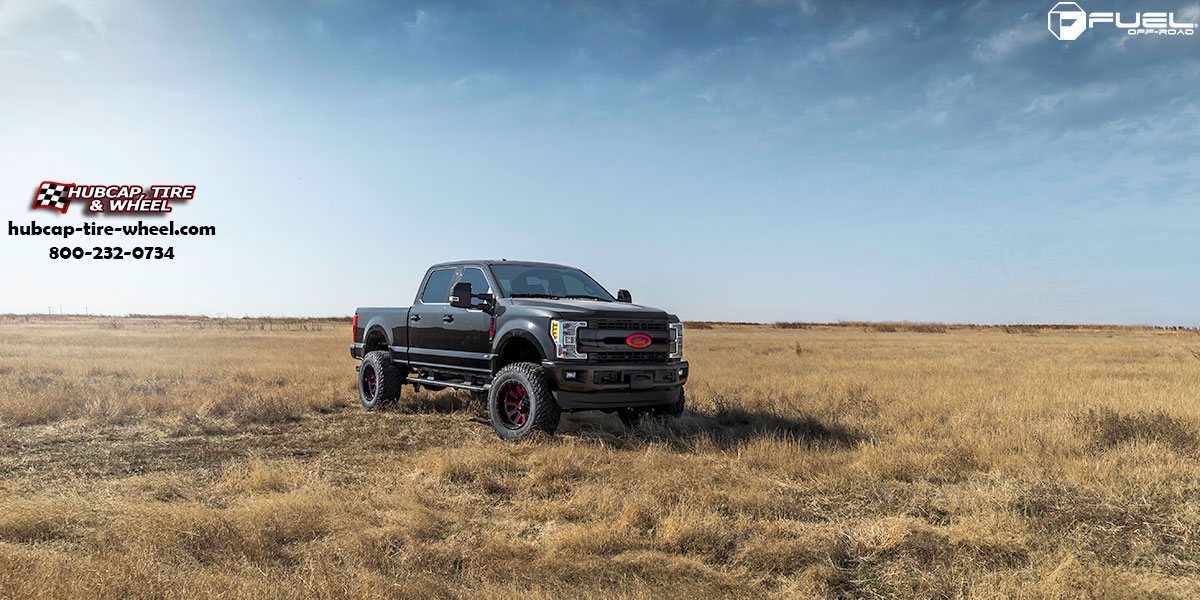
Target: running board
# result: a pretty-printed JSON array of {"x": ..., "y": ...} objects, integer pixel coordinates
[{"x": 461, "y": 386}]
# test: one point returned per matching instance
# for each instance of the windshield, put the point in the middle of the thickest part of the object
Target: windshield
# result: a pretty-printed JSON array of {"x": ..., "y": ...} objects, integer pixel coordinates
[{"x": 523, "y": 281}]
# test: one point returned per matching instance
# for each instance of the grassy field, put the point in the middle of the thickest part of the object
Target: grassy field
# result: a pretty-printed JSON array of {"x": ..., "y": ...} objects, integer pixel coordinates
[{"x": 184, "y": 458}]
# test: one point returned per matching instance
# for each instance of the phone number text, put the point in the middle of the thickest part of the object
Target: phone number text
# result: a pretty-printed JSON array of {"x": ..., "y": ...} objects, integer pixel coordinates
[{"x": 113, "y": 252}]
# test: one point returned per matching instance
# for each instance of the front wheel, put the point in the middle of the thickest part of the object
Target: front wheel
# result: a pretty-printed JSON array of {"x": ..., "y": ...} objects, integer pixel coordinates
[{"x": 520, "y": 402}]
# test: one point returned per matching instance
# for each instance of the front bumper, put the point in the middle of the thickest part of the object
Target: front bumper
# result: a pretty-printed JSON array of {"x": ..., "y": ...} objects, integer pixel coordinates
[{"x": 579, "y": 385}]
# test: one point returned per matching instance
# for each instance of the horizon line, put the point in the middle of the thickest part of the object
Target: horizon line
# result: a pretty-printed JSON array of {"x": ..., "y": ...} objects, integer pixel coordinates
[{"x": 778, "y": 324}]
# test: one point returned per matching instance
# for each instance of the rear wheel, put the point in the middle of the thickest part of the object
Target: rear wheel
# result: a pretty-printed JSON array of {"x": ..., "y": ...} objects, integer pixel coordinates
[
  {"x": 379, "y": 380},
  {"x": 520, "y": 402}
]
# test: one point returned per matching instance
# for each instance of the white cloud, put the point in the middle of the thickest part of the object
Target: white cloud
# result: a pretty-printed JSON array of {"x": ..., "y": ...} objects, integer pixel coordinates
[
  {"x": 1048, "y": 103},
  {"x": 1115, "y": 44},
  {"x": 948, "y": 90},
  {"x": 316, "y": 28},
  {"x": 258, "y": 31},
  {"x": 859, "y": 38},
  {"x": 1007, "y": 41},
  {"x": 420, "y": 23},
  {"x": 14, "y": 12},
  {"x": 91, "y": 14},
  {"x": 809, "y": 7},
  {"x": 833, "y": 108}
]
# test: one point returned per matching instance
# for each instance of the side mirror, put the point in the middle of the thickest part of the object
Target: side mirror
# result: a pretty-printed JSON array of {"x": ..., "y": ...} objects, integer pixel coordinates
[
  {"x": 623, "y": 296},
  {"x": 460, "y": 295}
]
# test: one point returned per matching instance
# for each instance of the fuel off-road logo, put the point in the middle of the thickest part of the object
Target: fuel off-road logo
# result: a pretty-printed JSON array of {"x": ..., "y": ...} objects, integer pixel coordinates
[
  {"x": 111, "y": 198},
  {"x": 1067, "y": 21}
]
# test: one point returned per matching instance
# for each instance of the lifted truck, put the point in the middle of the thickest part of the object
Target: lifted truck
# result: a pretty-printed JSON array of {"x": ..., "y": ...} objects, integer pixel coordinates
[{"x": 536, "y": 338}]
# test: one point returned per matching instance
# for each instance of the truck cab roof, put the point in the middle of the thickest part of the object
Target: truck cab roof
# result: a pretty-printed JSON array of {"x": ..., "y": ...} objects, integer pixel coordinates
[{"x": 489, "y": 262}]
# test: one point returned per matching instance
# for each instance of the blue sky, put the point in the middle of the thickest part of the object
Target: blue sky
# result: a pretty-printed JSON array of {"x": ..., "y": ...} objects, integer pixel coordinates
[{"x": 727, "y": 160}]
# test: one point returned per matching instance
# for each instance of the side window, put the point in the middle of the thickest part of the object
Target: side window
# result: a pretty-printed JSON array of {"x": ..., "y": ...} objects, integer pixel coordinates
[
  {"x": 479, "y": 283},
  {"x": 438, "y": 288}
]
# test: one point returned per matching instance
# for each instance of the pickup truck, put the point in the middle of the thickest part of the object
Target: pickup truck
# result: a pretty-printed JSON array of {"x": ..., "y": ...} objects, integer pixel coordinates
[{"x": 536, "y": 339}]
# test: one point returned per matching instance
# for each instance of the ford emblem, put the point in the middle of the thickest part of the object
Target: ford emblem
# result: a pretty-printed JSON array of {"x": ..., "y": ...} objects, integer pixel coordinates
[{"x": 638, "y": 340}]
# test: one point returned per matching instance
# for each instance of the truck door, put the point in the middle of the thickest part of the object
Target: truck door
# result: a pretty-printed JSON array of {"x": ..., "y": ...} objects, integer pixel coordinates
[
  {"x": 426, "y": 331},
  {"x": 467, "y": 331}
]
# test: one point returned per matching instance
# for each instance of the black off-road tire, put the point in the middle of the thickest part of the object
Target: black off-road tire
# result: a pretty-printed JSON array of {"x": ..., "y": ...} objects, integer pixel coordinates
[
  {"x": 673, "y": 410},
  {"x": 631, "y": 417},
  {"x": 543, "y": 411},
  {"x": 388, "y": 380}
]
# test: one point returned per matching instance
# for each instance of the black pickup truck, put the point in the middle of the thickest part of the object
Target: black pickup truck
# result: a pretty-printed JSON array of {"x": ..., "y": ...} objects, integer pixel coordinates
[{"x": 535, "y": 338}]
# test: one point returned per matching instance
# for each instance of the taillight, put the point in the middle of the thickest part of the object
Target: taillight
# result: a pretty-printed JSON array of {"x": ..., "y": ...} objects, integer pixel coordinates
[
  {"x": 492, "y": 329},
  {"x": 354, "y": 335}
]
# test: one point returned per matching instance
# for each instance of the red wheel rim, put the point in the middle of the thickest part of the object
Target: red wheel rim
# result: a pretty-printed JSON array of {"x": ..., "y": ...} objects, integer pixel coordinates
[{"x": 513, "y": 405}]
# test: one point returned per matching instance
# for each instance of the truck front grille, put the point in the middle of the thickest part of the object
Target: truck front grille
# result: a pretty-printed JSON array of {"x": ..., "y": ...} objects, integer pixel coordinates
[
  {"x": 634, "y": 324},
  {"x": 630, "y": 358},
  {"x": 604, "y": 341}
]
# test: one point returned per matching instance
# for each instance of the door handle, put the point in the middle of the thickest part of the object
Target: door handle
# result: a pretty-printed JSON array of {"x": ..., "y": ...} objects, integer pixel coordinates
[
  {"x": 447, "y": 318},
  {"x": 415, "y": 318}
]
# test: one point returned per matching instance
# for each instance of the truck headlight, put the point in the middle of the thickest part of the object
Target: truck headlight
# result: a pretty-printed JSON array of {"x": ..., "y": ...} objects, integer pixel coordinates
[
  {"x": 676, "y": 339},
  {"x": 566, "y": 340}
]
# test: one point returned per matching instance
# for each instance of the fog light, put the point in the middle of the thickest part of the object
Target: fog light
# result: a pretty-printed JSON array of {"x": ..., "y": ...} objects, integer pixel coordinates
[{"x": 682, "y": 373}]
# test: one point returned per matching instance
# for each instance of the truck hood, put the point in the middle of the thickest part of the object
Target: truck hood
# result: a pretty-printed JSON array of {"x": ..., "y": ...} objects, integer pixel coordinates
[{"x": 576, "y": 308}]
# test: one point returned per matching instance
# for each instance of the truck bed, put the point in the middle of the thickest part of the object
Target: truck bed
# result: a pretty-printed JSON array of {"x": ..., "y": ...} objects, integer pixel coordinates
[{"x": 389, "y": 319}]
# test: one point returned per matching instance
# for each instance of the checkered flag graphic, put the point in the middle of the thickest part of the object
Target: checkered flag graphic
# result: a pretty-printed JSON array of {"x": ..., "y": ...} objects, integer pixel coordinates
[{"x": 52, "y": 194}]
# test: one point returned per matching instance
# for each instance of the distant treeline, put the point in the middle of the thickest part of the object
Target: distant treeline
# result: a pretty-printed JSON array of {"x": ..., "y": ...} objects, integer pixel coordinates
[
  {"x": 188, "y": 321},
  {"x": 56, "y": 316},
  {"x": 894, "y": 326},
  {"x": 879, "y": 326}
]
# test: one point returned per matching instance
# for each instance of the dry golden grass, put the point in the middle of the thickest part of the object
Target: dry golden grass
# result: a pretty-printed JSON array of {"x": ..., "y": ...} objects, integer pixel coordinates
[{"x": 179, "y": 458}]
